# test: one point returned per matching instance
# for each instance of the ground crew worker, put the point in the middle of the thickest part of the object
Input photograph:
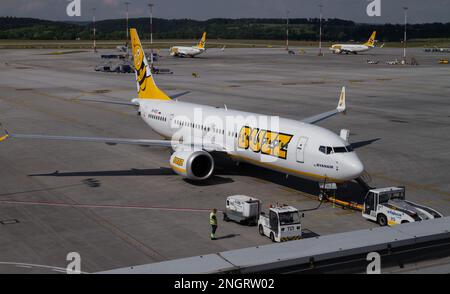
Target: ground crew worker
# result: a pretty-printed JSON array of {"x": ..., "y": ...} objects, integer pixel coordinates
[{"x": 213, "y": 223}]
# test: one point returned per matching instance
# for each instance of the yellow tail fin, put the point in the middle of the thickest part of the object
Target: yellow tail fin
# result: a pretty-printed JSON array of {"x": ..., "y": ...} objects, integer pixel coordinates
[
  {"x": 371, "y": 42},
  {"x": 202, "y": 42},
  {"x": 146, "y": 86}
]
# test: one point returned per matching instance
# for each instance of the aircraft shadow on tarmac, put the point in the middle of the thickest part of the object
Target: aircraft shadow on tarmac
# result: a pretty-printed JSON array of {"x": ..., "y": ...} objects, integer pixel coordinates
[
  {"x": 351, "y": 191},
  {"x": 162, "y": 171}
]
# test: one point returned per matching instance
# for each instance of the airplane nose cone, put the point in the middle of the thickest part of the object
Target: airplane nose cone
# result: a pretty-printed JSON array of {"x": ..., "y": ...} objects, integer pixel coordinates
[{"x": 355, "y": 168}]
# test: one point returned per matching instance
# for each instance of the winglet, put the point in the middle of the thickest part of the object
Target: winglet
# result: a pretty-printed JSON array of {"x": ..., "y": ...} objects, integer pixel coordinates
[
  {"x": 341, "y": 105},
  {"x": 6, "y": 136}
]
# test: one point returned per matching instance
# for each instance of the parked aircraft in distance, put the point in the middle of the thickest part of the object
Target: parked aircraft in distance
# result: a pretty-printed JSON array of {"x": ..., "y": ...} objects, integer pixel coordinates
[
  {"x": 354, "y": 48},
  {"x": 184, "y": 51}
]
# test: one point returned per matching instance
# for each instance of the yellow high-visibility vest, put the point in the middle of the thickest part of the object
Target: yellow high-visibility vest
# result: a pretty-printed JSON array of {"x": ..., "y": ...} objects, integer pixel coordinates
[{"x": 212, "y": 219}]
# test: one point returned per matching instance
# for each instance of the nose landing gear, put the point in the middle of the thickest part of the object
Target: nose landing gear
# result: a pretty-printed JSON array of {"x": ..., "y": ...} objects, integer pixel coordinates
[{"x": 327, "y": 190}]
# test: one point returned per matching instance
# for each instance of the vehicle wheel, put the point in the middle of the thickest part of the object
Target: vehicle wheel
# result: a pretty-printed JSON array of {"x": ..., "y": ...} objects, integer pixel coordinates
[
  {"x": 272, "y": 237},
  {"x": 225, "y": 217},
  {"x": 321, "y": 197},
  {"x": 261, "y": 230},
  {"x": 382, "y": 220}
]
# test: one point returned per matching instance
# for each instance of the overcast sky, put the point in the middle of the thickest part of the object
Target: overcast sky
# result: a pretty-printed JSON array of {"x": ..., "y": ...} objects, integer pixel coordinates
[{"x": 391, "y": 10}]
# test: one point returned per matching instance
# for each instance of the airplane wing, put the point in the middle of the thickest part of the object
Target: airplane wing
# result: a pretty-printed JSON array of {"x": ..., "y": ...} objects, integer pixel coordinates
[
  {"x": 340, "y": 108},
  {"x": 108, "y": 141},
  {"x": 133, "y": 102},
  {"x": 113, "y": 141}
]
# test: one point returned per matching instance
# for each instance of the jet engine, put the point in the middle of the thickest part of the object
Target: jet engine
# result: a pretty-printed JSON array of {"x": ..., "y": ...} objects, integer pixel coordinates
[{"x": 194, "y": 165}]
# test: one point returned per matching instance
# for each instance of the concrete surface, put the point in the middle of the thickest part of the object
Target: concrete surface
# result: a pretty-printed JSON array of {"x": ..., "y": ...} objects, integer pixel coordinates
[{"x": 114, "y": 204}]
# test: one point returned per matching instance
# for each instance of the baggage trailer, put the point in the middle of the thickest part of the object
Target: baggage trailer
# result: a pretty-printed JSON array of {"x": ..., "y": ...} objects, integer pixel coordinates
[{"x": 242, "y": 209}]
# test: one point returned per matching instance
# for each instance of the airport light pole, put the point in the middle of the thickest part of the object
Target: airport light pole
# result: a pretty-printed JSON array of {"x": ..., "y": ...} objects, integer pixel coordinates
[
  {"x": 151, "y": 33},
  {"x": 287, "y": 30},
  {"x": 151, "y": 22},
  {"x": 126, "y": 5},
  {"x": 320, "y": 30},
  {"x": 404, "y": 38},
  {"x": 93, "y": 23}
]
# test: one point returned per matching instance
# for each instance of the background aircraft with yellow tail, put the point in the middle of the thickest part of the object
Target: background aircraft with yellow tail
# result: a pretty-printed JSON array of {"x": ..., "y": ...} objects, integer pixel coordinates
[
  {"x": 196, "y": 132},
  {"x": 354, "y": 48},
  {"x": 183, "y": 51}
]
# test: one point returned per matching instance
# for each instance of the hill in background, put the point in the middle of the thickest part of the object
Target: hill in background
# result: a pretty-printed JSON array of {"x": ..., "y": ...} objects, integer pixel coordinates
[{"x": 253, "y": 29}]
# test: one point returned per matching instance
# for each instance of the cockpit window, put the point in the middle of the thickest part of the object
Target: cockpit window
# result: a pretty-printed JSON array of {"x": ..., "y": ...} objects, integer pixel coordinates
[
  {"x": 325, "y": 149},
  {"x": 329, "y": 150},
  {"x": 339, "y": 150}
]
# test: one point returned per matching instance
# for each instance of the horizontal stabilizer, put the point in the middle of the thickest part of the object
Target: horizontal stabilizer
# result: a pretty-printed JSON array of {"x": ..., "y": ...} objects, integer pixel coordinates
[
  {"x": 110, "y": 101},
  {"x": 174, "y": 96}
]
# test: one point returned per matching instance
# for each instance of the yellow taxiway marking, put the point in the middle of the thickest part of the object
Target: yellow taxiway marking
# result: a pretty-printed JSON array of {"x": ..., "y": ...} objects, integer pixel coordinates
[{"x": 260, "y": 181}]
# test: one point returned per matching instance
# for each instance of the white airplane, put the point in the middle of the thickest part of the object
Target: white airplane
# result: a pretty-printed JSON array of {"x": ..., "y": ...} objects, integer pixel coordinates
[
  {"x": 354, "y": 48},
  {"x": 298, "y": 148},
  {"x": 180, "y": 51}
]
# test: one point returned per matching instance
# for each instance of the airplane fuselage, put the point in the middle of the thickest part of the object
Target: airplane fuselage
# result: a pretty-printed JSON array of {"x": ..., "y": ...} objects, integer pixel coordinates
[
  {"x": 186, "y": 51},
  {"x": 349, "y": 48},
  {"x": 301, "y": 149}
]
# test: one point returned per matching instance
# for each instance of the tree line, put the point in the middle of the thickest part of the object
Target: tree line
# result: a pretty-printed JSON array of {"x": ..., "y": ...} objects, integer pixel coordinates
[{"x": 217, "y": 28}]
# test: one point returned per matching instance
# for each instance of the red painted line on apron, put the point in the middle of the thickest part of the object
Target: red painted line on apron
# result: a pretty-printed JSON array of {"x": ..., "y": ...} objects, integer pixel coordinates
[{"x": 142, "y": 207}]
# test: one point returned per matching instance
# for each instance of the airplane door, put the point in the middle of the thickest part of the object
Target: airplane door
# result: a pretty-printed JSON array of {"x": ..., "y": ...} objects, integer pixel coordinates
[
  {"x": 301, "y": 149},
  {"x": 169, "y": 121}
]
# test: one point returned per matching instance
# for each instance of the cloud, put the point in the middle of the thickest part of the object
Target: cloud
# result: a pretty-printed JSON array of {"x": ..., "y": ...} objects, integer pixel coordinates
[
  {"x": 113, "y": 3},
  {"x": 32, "y": 5},
  {"x": 420, "y": 10}
]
